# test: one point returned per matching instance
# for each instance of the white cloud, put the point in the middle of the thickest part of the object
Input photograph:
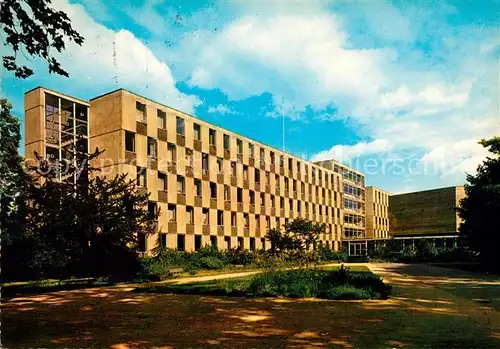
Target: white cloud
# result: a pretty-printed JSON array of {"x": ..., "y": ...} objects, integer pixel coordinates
[
  {"x": 221, "y": 109},
  {"x": 346, "y": 153},
  {"x": 300, "y": 59},
  {"x": 110, "y": 59},
  {"x": 432, "y": 95}
]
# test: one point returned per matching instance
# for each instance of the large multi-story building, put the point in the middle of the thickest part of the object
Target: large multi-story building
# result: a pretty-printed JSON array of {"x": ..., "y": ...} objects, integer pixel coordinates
[
  {"x": 428, "y": 214},
  {"x": 212, "y": 186},
  {"x": 377, "y": 214},
  {"x": 353, "y": 188}
]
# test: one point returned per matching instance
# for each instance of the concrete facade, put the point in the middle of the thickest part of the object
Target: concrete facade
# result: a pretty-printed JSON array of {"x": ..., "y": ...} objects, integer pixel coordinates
[
  {"x": 425, "y": 213},
  {"x": 212, "y": 186},
  {"x": 377, "y": 213}
]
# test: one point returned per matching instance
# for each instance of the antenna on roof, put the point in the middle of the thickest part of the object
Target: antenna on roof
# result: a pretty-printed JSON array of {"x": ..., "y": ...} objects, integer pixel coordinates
[
  {"x": 114, "y": 62},
  {"x": 283, "y": 117}
]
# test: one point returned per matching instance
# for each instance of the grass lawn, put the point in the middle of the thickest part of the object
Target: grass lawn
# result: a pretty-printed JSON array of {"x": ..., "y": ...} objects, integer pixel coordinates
[
  {"x": 424, "y": 311},
  {"x": 297, "y": 283}
]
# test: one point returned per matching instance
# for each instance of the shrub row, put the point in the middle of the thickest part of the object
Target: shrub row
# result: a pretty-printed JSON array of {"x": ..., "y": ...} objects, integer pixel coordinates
[
  {"x": 208, "y": 258},
  {"x": 329, "y": 284}
]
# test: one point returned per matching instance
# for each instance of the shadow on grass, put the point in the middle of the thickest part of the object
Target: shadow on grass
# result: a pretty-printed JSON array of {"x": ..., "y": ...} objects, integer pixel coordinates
[{"x": 418, "y": 315}]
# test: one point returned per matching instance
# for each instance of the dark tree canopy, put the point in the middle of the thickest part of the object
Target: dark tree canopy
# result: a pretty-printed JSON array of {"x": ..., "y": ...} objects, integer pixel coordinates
[
  {"x": 480, "y": 209},
  {"x": 77, "y": 224},
  {"x": 298, "y": 239},
  {"x": 33, "y": 27}
]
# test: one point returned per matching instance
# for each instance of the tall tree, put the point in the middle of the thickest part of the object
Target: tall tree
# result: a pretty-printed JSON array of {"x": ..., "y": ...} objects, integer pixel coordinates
[
  {"x": 35, "y": 28},
  {"x": 480, "y": 209},
  {"x": 86, "y": 224},
  {"x": 14, "y": 183}
]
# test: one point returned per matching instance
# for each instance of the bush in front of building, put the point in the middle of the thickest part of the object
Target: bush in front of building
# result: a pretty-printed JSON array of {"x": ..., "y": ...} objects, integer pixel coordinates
[
  {"x": 341, "y": 283},
  {"x": 327, "y": 254}
]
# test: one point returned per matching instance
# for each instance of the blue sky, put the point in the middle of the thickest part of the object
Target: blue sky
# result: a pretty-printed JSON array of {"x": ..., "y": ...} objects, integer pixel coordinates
[{"x": 401, "y": 90}]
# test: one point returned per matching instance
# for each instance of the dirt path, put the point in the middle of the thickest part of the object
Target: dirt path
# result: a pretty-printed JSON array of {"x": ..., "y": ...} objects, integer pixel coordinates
[
  {"x": 430, "y": 307},
  {"x": 186, "y": 280}
]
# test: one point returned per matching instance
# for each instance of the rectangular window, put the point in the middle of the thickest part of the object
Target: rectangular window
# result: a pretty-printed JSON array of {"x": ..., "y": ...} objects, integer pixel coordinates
[
  {"x": 227, "y": 240},
  {"x": 189, "y": 158},
  {"x": 290, "y": 164},
  {"x": 181, "y": 242},
  {"x": 213, "y": 241},
  {"x": 172, "y": 213},
  {"x": 162, "y": 181},
  {"x": 163, "y": 240},
  {"x": 257, "y": 176},
  {"x": 233, "y": 168},
  {"x": 227, "y": 193},
  {"x": 213, "y": 190},
  {"x": 262, "y": 199},
  {"x": 272, "y": 158},
  {"x": 180, "y": 126},
  {"x": 263, "y": 243},
  {"x": 262, "y": 156},
  {"x": 246, "y": 220},
  {"x": 211, "y": 137},
  {"x": 240, "y": 243},
  {"x": 240, "y": 195},
  {"x": 141, "y": 111},
  {"x": 220, "y": 218},
  {"x": 205, "y": 213},
  {"x": 226, "y": 142},
  {"x": 239, "y": 145},
  {"x": 171, "y": 153},
  {"x": 189, "y": 214},
  {"x": 152, "y": 148},
  {"x": 252, "y": 197},
  {"x": 152, "y": 208},
  {"x": 245, "y": 172},
  {"x": 142, "y": 177},
  {"x": 251, "y": 150},
  {"x": 197, "y": 242},
  {"x": 220, "y": 168},
  {"x": 252, "y": 244},
  {"x": 272, "y": 201},
  {"x": 162, "y": 119},
  {"x": 197, "y": 186},
  {"x": 141, "y": 242},
  {"x": 282, "y": 161},
  {"x": 197, "y": 132},
  {"x": 129, "y": 141},
  {"x": 234, "y": 222},
  {"x": 181, "y": 185}
]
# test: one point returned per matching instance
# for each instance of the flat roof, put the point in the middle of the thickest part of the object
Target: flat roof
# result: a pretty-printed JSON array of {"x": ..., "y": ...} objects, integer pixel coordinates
[
  {"x": 428, "y": 190},
  {"x": 377, "y": 188},
  {"x": 59, "y": 94},
  {"x": 222, "y": 128},
  {"x": 316, "y": 163}
]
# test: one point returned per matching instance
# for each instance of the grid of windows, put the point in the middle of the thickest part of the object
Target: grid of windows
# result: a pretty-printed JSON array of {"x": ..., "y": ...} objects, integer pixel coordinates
[{"x": 259, "y": 193}]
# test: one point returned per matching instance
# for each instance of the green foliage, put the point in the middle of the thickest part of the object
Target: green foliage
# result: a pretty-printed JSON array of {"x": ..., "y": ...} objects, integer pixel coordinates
[
  {"x": 83, "y": 228},
  {"x": 425, "y": 251},
  {"x": 237, "y": 256},
  {"x": 298, "y": 240},
  {"x": 211, "y": 263},
  {"x": 34, "y": 27},
  {"x": 327, "y": 254},
  {"x": 319, "y": 283},
  {"x": 346, "y": 292},
  {"x": 17, "y": 247},
  {"x": 480, "y": 208}
]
